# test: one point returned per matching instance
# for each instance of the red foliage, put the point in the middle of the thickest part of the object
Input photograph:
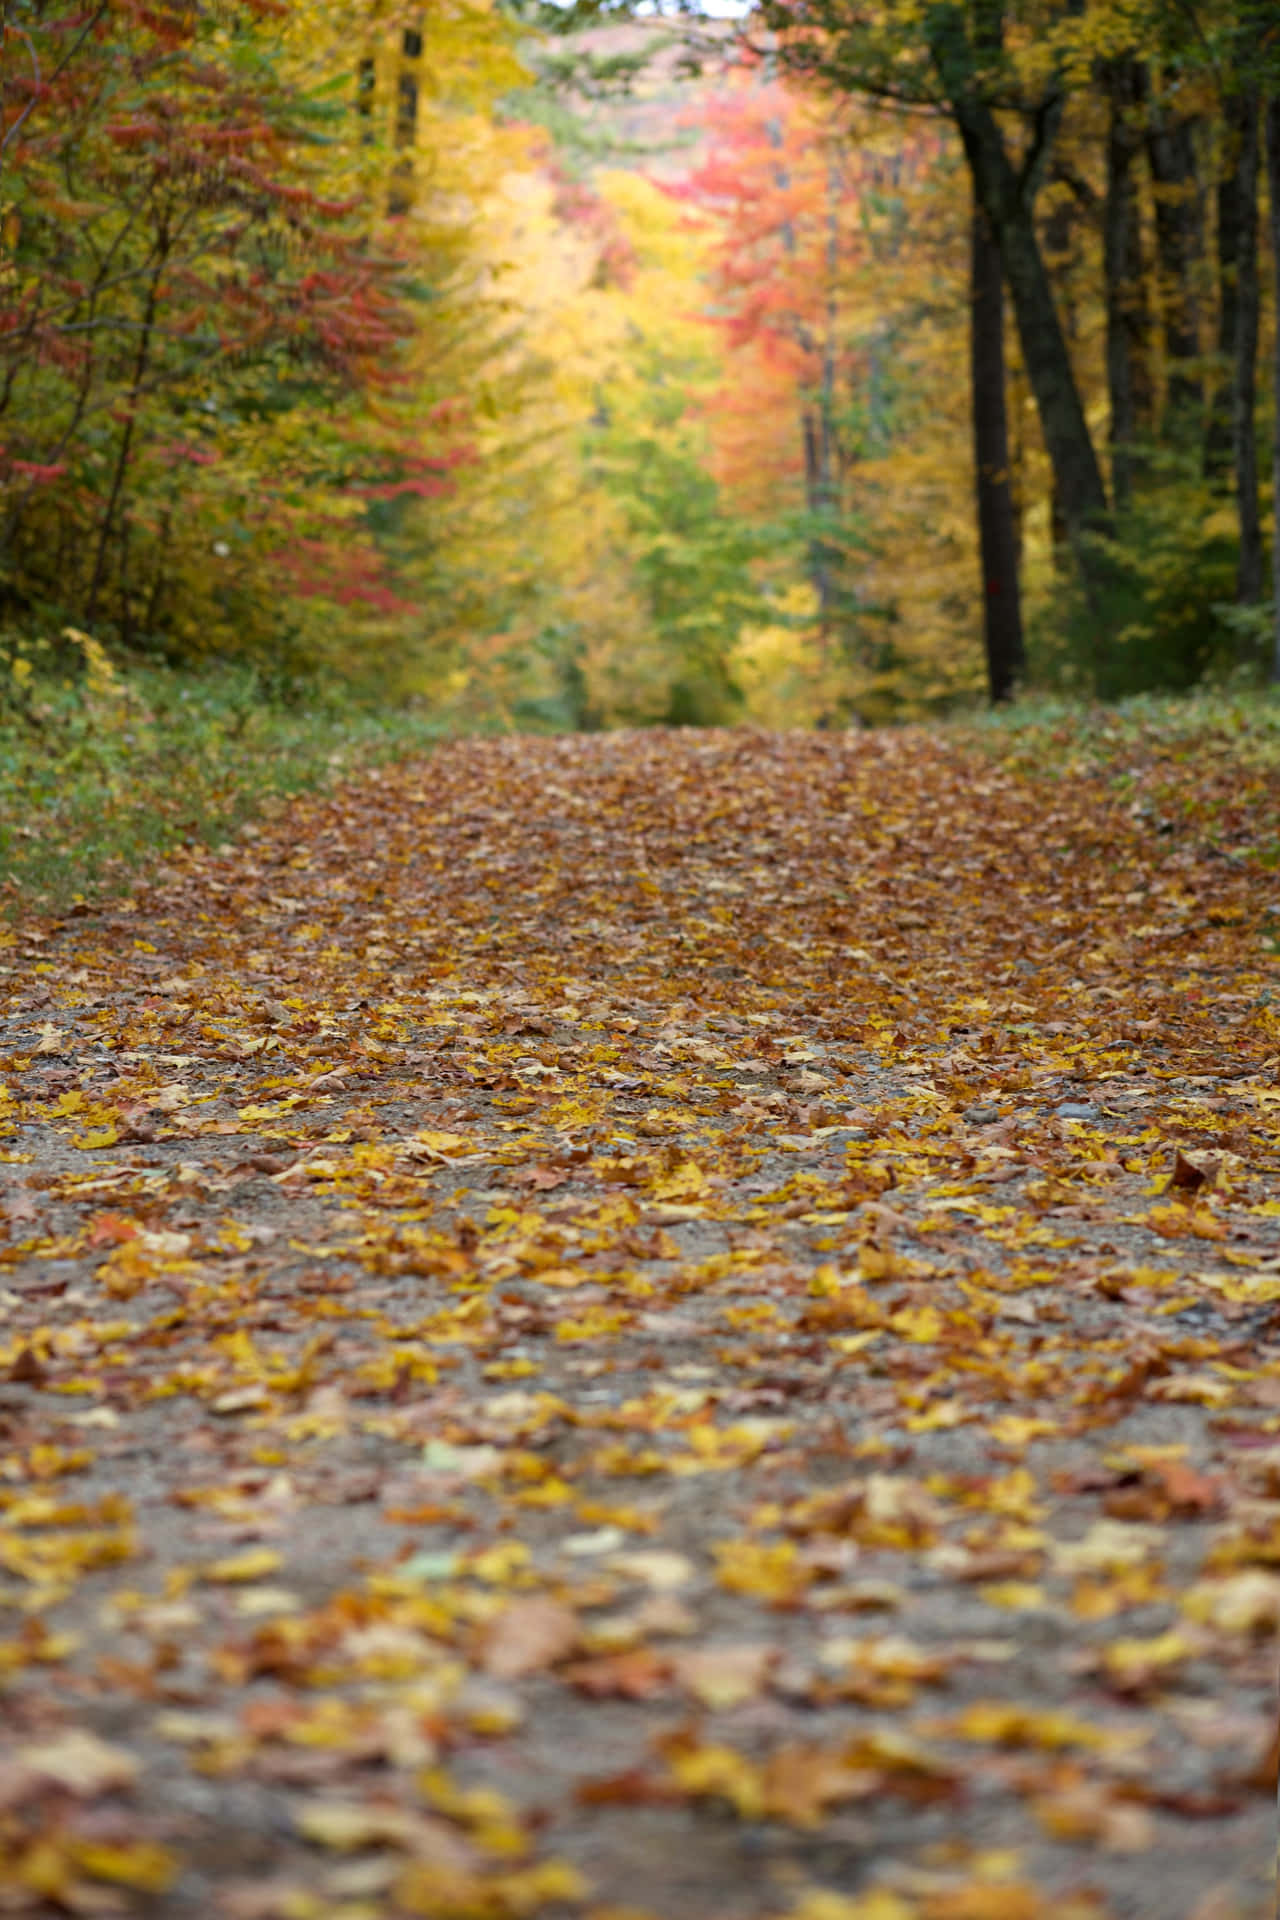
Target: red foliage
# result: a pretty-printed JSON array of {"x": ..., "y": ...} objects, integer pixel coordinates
[{"x": 577, "y": 204}]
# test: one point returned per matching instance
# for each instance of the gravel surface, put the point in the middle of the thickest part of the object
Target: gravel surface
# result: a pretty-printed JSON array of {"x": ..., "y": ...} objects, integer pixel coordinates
[{"x": 643, "y": 1326}]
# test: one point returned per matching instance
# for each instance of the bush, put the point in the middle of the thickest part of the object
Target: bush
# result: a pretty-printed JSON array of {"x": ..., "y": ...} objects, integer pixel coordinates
[
  {"x": 1166, "y": 620},
  {"x": 101, "y": 770}
]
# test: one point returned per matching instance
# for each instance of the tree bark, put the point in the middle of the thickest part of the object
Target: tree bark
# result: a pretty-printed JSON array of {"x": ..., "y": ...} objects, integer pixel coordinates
[
  {"x": 1057, "y": 245},
  {"x": 997, "y": 532},
  {"x": 1006, "y": 201},
  {"x": 1236, "y": 194},
  {"x": 1179, "y": 222},
  {"x": 1273, "y": 195},
  {"x": 1244, "y": 380},
  {"x": 1007, "y": 197},
  {"x": 1230, "y": 445},
  {"x": 124, "y": 453},
  {"x": 1128, "y": 314}
]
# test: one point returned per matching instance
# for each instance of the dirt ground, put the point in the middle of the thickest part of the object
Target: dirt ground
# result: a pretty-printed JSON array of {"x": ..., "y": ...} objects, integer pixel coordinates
[{"x": 649, "y": 1325}]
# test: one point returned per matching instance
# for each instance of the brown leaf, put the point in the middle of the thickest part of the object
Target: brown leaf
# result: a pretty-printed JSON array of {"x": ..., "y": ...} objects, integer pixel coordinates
[
  {"x": 633, "y": 1788},
  {"x": 28, "y": 1370},
  {"x": 1187, "y": 1174},
  {"x": 528, "y": 1636},
  {"x": 80, "y": 1762},
  {"x": 801, "y": 1783},
  {"x": 637, "y": 1674},
  {"x": 725, "y": 1676}
]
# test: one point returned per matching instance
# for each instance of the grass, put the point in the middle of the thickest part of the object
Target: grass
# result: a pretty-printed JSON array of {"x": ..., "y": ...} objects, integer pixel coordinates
[
  {"x": 1206, "y": 762},
  {"x": 102, "y": 773},
  {"x": 1068, "y": 737}
]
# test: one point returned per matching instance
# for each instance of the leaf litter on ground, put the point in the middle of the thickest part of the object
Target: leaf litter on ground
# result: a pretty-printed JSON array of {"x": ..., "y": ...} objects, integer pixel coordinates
[{"x": 669, "y": 1325}]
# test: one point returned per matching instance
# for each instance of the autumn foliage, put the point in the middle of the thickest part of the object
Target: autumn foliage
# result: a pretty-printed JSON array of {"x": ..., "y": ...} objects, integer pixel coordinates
[
  {"x": 206, "y": 330},
  {"x": 583, "y": 1315},
  {"x": 546, "y": 385}
]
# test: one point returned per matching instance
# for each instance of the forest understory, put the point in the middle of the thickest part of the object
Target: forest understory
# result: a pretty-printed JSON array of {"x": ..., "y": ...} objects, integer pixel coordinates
[{"x": 653, "y": 1325}]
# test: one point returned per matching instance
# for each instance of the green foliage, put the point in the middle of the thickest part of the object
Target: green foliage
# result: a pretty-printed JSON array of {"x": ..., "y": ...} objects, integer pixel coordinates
[
  {"x": 585, "y": 400},
  {"x": 693, "y": 560},
  {"x": 1073, "y": 738},
  {"x": 1163, "y": 619},
  {"x": 101, "y": 771}
]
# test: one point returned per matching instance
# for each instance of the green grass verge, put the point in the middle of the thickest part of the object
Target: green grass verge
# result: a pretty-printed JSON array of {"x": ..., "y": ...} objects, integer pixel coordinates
[
  {"x": 1205, "y": 763},
  {"x": 103, "y": 772},
  {"x": 1066, "y": 738}
]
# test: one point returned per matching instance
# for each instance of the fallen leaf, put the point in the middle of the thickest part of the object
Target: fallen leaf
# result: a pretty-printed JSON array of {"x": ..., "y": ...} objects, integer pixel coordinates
[
  {"x": 80, "y": 1762},
  {"x": 528, "y": 1636}
]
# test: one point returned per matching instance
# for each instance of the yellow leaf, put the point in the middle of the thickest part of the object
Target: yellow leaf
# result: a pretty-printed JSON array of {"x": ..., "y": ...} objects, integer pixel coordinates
[
  {"x": 1016, "y": 1429},
  {"x": 139, "y": 1864},
  {"x": 879, "y": 1903},
  {"x": 768, "y": 1570},
  {"x": 1247, "y": 1602},
  {"x": 1021, "y": 1596},
  {"x": 1010, "y": 1723},
  {"x": 685, "y": 1182},
  {"x": 243, "y": 1567},
  {"x": 721, "y": 1773},
  {"x": 923, "y": 1325},
  {"x": 1126, "y": 1659},
  {"x": 723, "y": 1677},
  {"x": 656, "y": 1567},
  {"x": 981, "y": 1900}
]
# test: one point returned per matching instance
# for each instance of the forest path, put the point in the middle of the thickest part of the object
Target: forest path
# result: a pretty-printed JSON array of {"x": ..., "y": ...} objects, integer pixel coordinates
[{"x": 652, "y": 1325}]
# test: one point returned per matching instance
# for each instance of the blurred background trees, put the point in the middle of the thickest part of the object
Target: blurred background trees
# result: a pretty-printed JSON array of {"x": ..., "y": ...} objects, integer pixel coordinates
[{"x": 837, "y": 362}]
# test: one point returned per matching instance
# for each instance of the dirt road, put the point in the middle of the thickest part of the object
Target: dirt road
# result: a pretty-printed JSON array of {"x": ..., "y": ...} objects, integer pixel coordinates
[{"x": 649, "y": 1325}]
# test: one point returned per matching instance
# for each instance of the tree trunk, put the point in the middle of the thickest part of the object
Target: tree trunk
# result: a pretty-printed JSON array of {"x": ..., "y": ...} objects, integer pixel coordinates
[
  {"x": 1179, "y": 221},
  {"x": 997, "y": 533},
  {"x": 1244, "y": 372},
  {"x": 1273, "y": 195},
  {"x": 1128, "y": 315},
  {"x": 1230, "y": 436},
  {"x": 1007, "y": 205},
  {"x": 817, "y": 488},
  {"x": 1007, "y": 197},
  {"x": 124, "y": 453},
  {"x": 1237, "y": 194},
  {"x": 1057, "y": 245}
]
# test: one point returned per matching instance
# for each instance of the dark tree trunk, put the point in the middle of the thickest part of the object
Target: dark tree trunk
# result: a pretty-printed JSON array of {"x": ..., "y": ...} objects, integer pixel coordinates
[
  {"x": 1179, "y": 220},
  {"x": 1057, "y": 241},
  {"x": 1244, "y": 381},
  {"x": 1273, "y": 196},
  {"x": 1232, "y": 196},
  {"x": 1008, "y": 205},
  {"x": 1128, "y": 314},
  {"x": 997, "y": 532},
  {"x": 1007, "y": 196},
  {"x": 1230, "y": 436},
  {"x": 124, "y": 452}
]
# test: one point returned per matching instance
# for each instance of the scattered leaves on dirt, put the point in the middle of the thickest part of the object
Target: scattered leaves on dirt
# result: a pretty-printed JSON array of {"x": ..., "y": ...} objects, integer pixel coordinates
[{"x": 651, "y": 1325}]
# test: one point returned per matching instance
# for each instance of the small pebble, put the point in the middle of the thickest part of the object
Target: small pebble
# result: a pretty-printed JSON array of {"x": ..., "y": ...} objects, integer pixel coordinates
[{"x": 1076, "y": 1110}]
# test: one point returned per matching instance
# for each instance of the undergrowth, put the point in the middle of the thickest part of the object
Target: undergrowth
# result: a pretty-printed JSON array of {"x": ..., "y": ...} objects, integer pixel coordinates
[
  {"x": 1051, "y": 735},
  {"x": 102, "y": 772},
  {"x": 1205, "y": 763}
]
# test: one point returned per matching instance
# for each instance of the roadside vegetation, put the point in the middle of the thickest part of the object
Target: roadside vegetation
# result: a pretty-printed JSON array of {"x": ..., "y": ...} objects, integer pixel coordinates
[{"x": 103, "y": 771}]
